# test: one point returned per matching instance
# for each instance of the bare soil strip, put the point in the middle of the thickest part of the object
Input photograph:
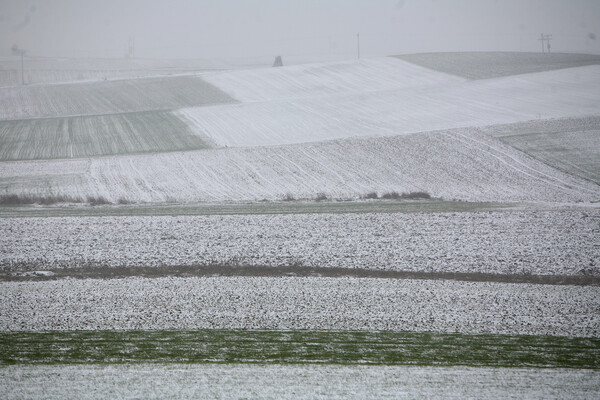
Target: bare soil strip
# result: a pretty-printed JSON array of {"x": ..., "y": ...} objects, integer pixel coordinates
[
  {"x": 28, "y": 273},
  {"x": 305, "y": 206}
]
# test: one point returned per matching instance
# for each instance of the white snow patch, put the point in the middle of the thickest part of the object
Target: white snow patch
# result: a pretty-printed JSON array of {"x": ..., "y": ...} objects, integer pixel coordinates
[
  {"x": 426, "y": 105},
  {"x": 207, "y": 381}
]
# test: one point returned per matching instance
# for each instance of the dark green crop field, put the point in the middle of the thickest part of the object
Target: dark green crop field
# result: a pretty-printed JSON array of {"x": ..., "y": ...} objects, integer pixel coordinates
[{"x": 323, "y": 347}]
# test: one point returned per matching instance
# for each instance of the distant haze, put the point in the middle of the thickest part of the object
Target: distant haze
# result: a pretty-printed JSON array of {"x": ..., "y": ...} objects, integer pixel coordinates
[{"x": 298, "y": 30}]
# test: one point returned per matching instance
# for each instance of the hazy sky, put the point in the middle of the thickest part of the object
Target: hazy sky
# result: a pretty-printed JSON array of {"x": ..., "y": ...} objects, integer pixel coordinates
[{"x": 295, "y": 29}]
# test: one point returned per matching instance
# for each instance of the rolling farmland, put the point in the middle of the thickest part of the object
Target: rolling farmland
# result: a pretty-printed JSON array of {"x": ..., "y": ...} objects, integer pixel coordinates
[
  {"x": 375, "y": 214},
  {"x": 101, "y": 118},
  {"x": 458, "y": 164}
]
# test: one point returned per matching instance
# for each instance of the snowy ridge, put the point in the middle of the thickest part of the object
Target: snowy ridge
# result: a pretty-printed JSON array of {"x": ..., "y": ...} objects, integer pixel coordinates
[
  {"x": 291, "y": 135},
  {"x": 458, "y": 164},
  {"x": 426, "y": 104}
]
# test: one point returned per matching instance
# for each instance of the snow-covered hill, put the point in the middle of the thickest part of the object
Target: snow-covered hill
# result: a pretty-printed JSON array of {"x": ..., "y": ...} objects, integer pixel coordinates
[
  {"x": 343, "y": 129},
  {"x": 458, "y": 164},
  {"x": 431, "y": 104}
]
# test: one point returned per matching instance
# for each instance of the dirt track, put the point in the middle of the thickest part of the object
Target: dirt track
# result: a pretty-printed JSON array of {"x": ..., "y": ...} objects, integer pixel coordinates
[{"x": 103, "y": 272}]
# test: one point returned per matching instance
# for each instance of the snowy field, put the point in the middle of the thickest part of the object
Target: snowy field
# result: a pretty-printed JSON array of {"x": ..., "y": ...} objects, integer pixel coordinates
[
  {"x": 521, "y": 135},
  {"x": 438, "y": 105},
  {"x": 326, "y": 79},
  {"x": 462, "y": 164},
  {"x": 486, "y": 65},
  {"x": 182, "y": 381},
  {"x": 562, "y": 242},
  {"x": 285, "y": 303}
]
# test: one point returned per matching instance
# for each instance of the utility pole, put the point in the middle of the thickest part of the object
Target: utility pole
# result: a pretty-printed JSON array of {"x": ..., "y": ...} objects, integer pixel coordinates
[
  {"x": 130, "y": 47},
  {"x": 547, "y": 39},
  {"x": 17, "y": 51},
  {"x": 358, "y": 44},
  {"x": 22, "y": 74}
]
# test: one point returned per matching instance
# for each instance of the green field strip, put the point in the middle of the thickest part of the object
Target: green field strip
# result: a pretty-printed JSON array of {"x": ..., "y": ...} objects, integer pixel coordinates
[
  {"x": 256, "y": 208},
  {"x": 109, "y": 97},
  {"x": 98, "y": 135},
  {"x": 574, "y": 152},
  {"x": 571, "y": 145},
  {"x": 331, "y": 347}
]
